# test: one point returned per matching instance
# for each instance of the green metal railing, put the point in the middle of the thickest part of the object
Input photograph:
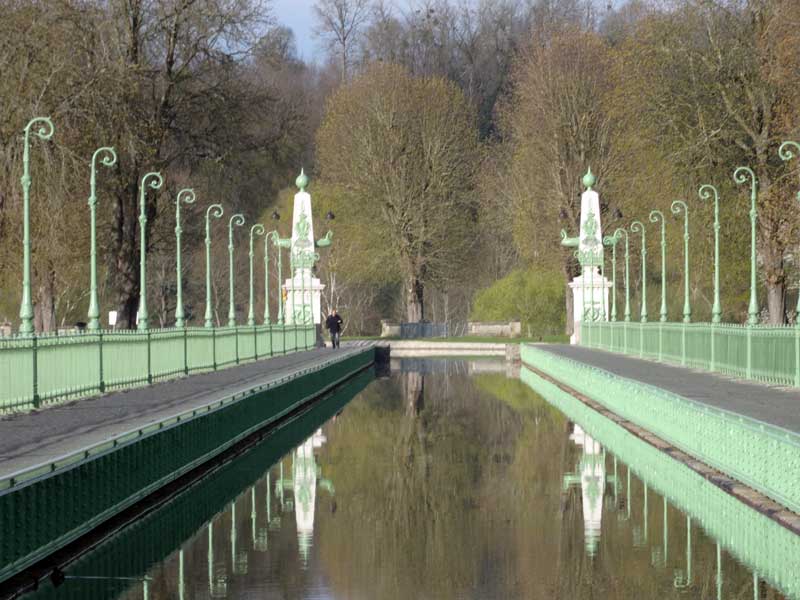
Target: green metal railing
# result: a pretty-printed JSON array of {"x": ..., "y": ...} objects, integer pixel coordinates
[
  {"x": 759, "y": 352},
  {"x": 36, "y": 370},
  {"x": 762, "y": 456}
]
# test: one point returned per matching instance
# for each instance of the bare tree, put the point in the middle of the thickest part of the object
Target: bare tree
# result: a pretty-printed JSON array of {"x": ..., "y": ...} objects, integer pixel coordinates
[{"x": 339, "y": 22}]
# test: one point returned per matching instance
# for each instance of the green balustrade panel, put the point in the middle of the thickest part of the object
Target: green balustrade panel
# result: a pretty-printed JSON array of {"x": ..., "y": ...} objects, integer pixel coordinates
[
  {"x": 50, "y": 368},
  {"x": 16, "y": 373},
  {"x": 247, "y": 343},
  {"x": 264, "y": 341},
  {"x": 68, "y": 366},
  {"x": 41, "y": 515},
  {"x": 764, "y": 457},
  {"x": 227, "y": 347},
  {"x": 125, "y": 359},
  {"x": 753, "y": 538},
  {"x": 200, "y": 349},
  {"x": 770, "y": 354},
  {"x": 167, "y": 353}
]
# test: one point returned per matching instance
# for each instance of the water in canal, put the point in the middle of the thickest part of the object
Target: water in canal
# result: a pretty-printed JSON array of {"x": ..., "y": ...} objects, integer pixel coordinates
[{"x": 445, "y": 479}]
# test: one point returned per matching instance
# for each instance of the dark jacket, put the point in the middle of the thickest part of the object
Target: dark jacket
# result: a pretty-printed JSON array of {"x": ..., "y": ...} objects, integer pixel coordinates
[{"x": 334, "y": 323}]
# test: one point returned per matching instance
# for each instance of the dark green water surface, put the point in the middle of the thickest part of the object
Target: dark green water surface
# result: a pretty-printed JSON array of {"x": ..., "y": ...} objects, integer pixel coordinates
[{"x": 447, "y": 479}]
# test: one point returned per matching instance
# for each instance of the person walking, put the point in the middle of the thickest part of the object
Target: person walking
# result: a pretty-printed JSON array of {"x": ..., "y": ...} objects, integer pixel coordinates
[{"x": 334, "y": 325}]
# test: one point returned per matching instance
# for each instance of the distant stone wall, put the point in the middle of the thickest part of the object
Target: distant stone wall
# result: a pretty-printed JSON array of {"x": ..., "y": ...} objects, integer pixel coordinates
[{"x": 508, "y": 329}]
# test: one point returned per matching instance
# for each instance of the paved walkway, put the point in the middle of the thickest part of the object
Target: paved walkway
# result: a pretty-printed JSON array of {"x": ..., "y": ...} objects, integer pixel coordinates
[
  {"x": 30, "y": 439},
  {"x": 777, "y": 406}
]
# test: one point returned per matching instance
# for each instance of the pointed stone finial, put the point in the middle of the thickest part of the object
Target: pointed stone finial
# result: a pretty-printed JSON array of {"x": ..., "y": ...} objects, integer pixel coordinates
[
  {"x": 589, "y": 179},
  {"x": 301, "y": 181}
]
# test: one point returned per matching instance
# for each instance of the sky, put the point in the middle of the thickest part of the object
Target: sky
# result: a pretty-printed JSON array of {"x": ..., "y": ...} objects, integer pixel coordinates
[{"x": 299, "y": 16}]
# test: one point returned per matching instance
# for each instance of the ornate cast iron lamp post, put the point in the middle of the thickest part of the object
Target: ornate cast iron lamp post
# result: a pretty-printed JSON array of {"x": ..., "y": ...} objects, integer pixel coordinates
[
  {"x": 44, "y": 132},
  {"x": 109, "y": 159},
  {"x": 638, "y": 227},
  {"x": 678, "y": 207},
  {"x": 707, "y": 192},
  {"x": 273, "y": 237},
  {"x": 154, "y": 181},
  {"x": 185, "y": 196},
  {"x": 618, "y": 234},
  {"x": 740, "y": 176},
  {"x": 257, "y": 229},
  {"x": 611, "y": 240},
  {"x": 657, "y": 216},
  {"x": 216, "y": 211},
  {"x": 788, "y": 151},
  {"x": 236, "y": 220}
]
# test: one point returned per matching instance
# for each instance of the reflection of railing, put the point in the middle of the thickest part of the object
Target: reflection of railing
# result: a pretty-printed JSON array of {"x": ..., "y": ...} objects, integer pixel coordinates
[
  {"x": 45, "y": 368},
  {"x": 761, "y": 455},
  {"x": 206, "y": 505},
  {"x": 770, "y": 550},
  {"x": 764, "y": 353}
]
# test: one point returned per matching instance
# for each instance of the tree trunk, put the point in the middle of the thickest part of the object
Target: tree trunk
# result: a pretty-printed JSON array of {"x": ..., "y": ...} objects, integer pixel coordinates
[
  {"x": 776, "y": 302},
  {"x": 415, "y": 307},
  {"x": 126, "y": 273},
  {"x": 44, "y": 312}
]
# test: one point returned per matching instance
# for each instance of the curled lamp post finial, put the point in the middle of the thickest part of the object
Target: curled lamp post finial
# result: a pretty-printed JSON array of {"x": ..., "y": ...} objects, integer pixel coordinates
[
  {"x": 215, "y": 211},
  {"x": 788, "y": 151},
  {"x": 680, "y": 207},
  {"x": 236, "y": 220},
  {"x": 709, "y": 192},
  {"x": 638, "y": 227},
  {"x": 618, "y": 233},
  {"x": 44, "y": 132},
  {"x": 612, "y": 240},
  {"x": 108, "y": 158},
  {"x": 656, "y": 216},
  {"x": 154, "y": 181},
  {"x": 741, "y": 176},
  {"x": 185, "y": 196},
  {"x": 257, "y": 229}
]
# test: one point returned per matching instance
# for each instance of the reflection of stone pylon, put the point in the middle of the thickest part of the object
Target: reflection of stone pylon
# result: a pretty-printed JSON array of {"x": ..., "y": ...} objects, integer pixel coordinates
[
  {"x": 590, "y": 475},
  {"x": 305, "y": 476}
]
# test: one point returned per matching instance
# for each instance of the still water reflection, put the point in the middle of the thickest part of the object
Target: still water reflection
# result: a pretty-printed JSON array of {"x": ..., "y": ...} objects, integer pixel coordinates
[{"x": 448, "y": 479}]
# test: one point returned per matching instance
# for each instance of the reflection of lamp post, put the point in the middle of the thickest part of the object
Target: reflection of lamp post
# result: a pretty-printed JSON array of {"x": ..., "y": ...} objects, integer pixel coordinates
[
  {"x": 216, "y": 211},
  {"x": 657, "y": 216},
  {"x": 681, "y": 580},
  {"x": 109, "y": 160},
  {"x": 678, "y": 207},
  {"x": 185, "y": 196},
  {"x": 156, "y": 181},
  {"x": 740, "y": 176},
  {"x": 638, "y": 227},
  {"x": 44, "y": 132},
  {"x": 257, "y": 229},
  {"x": 238, "y": 221},
  {"x": 706, "y": 192}
]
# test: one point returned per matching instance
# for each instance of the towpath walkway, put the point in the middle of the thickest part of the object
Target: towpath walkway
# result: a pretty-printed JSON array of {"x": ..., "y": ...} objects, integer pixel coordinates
[
  {"x": 773, "y": 405},
  {"x": 42, "y": 437}
]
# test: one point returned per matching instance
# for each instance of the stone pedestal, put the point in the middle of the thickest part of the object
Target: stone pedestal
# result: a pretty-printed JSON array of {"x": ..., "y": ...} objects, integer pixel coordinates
[
  {"x": 303, "y": 295},
  {"x": 590, "y": 297}
]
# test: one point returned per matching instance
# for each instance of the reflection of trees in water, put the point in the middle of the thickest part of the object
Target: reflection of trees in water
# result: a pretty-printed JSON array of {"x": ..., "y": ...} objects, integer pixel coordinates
[{"x": 440, "y": 478}]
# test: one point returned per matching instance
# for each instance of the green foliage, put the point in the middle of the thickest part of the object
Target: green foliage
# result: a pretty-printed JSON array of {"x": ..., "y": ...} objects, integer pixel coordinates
[{"x": 534, "y": 296}]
